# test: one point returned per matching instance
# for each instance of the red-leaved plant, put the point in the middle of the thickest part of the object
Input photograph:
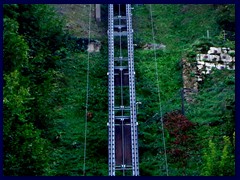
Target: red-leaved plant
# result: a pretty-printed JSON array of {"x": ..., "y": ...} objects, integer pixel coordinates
[{"x": 178, "y": 127}]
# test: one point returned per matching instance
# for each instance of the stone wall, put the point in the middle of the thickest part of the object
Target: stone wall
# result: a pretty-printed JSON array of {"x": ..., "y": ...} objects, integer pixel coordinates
[
  {"x": 190, "y": 85},
  {"x": 94, "y": 46},
  {"x": 150, "y": 46},
  {"x": 195, "y": 72},
  {"x": 219, "y": 58}
]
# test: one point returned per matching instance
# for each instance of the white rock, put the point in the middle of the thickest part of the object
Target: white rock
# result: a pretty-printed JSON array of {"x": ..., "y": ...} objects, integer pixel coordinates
[
  {"x": 204, "y": 57},
  {"x": 208, "y": 72},
  {"x": 226, "y": 58},
  {"x": 214, "y": 50},
  {"x": 200, "y": 66},
  {"x": 228, "y": 67},
  {"x": 200, "y": 62},
  {"x": 208, "y": 64},
  {"x": 224, "y": 50},
  {"x": 214, "y": 57},
  {"x": 208, "y": 68},
  {"x": 199, "y": 79},
  {"x": 220, "y": 66}
]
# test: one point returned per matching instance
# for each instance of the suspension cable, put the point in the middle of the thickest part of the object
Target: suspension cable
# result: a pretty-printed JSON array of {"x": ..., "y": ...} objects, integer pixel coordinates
[
  {"x": 158, "y": 89},
  {"x": 87, "y": 94}
]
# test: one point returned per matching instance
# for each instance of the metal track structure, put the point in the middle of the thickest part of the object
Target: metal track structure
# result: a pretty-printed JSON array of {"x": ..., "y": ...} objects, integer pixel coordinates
[{"x": 122, "y": 118}]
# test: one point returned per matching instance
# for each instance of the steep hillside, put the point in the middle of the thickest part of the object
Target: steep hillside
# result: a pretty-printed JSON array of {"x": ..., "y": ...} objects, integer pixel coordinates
[
  {"x": 45, "y": 88},
  {"x": 76, "y": 18},
  {"x": 181, "y": 28}
]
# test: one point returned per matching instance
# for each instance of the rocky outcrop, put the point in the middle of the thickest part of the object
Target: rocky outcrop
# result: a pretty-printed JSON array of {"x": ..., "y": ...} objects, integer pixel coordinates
[
  {"x": 190, "y": 85},
  {"x": 94, "y": 47},
  {"x": 152, "y": 46},
  {"x": 218, "y": 58},
  {"x": 84, "y": 44},
  {"x": 195, "y": 72}
]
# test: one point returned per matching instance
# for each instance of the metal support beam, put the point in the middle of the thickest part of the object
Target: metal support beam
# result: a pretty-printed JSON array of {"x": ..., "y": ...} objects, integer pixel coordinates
[
  {"x": 133, "y": 117},
  {"x": 111, "y": 118},
  {"x": 123, "y": 135}
]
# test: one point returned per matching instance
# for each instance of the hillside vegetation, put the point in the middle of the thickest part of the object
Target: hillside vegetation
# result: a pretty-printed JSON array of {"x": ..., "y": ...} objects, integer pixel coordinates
[{"x": 45, "y": 86}]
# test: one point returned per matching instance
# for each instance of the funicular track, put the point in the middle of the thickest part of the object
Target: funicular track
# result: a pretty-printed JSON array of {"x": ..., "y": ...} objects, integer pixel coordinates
[{"x": 122, "y": 119}]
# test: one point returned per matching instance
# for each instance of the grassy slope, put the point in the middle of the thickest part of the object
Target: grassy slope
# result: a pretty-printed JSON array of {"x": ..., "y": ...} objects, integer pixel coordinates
[
  {"x": 68, "y": 153},
  {"x": 167, "y": 20},
  {"x": 77, "y": 20},
  {"x": 176, "y": 26}
]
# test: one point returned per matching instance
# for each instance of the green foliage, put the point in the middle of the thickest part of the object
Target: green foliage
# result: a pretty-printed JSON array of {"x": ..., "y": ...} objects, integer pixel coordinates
[
  {"x": 169, "y": 76},
  {"x": 30, "y": 35},
  {"x": 15, "y": 50},
  {"x": 211, "y": 167},
  {"x": 41, "y": 27},
  {"x": 175, "y": 25},
  {"x": 45, "y": 94},
  {"x": 218, "y": 163},
  {"x": 14, "y": 110},
  {"x": 25, "y": 150},
  {"x": 10, "y": 10},
  {"x": 202, "y": 45},
  {"x": 150, "y": 133},
  {"x": 214, "y": 111},
  {"x": 227, "y": 162},
  {"x": 210, "y": 107},
  {"x": 216, "y": 99},
  {"x": 226, "y": 16}
]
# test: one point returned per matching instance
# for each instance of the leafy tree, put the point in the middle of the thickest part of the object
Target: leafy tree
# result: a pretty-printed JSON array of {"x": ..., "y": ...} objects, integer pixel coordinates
[
  {"x": 15, "y": 50},
  {"x": 24, "y": 149},
  {"x": 216, "y": 162},
  {"x": 33, "y": 38},
  {"x": 44, "y": 95}
]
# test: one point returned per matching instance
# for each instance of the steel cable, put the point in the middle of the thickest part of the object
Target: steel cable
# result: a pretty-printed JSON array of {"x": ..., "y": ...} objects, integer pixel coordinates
[
  {"x": 87, "y": 95},
  {"x": 158, "y": 87}
]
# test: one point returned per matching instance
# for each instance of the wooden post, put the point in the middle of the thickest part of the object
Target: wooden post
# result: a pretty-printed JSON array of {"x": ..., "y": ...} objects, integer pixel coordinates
[
  {"x": 182, "y": 97},
  {"x": 224, "y": 35},
  {"x": 208, "y": 34},
  {"x": 98, "y": 12}
]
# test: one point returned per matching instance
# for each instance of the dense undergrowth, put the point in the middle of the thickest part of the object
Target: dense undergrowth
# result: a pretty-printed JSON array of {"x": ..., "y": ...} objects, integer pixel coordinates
[{"x": 45, "y": 79}]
